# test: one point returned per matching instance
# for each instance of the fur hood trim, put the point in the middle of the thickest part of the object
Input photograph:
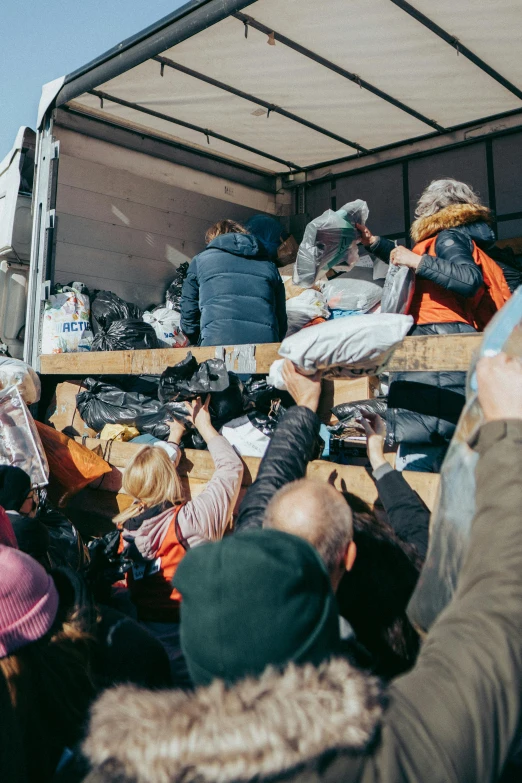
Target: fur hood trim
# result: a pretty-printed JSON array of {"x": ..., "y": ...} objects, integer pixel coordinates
[
  {"x": 256, "y": 729},
  {"x": 450, "y": 217}
]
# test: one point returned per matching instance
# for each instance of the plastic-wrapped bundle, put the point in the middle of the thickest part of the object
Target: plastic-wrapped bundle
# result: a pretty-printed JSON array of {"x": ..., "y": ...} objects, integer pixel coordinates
[
  {"x": 302, "y": 309},
  {"x": 173, "y": 292},
  {"x": 355, "y": 290},
  {"x": 165, "y": 323},
  {"x": 189, "y": 379},
  {"x": 348, "y": 347},
  {"x": 399, "y": 286},
  {"x": 259, "y": 394},
  {"x": 450, "y": 523},
  {"x": 347, "y": 411},
  {"x": 20, "y": 444},
  {"x": 107, "y": 307},
  {"x": 328, "y": 240},
  {"x": 104, "y": 403},
  {"x": 129, "y": 334},
  {"x": 14, "y": 372},
  {"x": 66, "y": 318}
]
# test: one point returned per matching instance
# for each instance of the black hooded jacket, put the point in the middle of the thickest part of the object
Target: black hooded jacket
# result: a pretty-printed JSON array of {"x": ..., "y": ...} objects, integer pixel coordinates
[{"x": 424, "y": 407}]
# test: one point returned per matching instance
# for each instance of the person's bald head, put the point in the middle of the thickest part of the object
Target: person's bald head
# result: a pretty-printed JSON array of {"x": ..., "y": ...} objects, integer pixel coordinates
[{"x": 318, "y": 513}]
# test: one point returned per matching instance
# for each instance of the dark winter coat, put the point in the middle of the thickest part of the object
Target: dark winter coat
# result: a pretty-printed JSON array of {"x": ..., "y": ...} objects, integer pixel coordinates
[
  {"x": 424, "y": 407},
  {"x": 233, "y": 294},
  {"x": 373, "y": 596},
  {"x": 453, "y": 718}
]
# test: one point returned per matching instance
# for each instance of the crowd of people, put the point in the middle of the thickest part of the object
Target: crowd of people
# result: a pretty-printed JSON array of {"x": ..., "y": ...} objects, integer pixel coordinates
[{"x": 228, "y": 638}]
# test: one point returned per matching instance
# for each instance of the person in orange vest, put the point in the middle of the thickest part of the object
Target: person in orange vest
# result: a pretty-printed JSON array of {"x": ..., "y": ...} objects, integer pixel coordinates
[
  {"x": 458, "y": 288},
  {"x": 161, "y": 525}
]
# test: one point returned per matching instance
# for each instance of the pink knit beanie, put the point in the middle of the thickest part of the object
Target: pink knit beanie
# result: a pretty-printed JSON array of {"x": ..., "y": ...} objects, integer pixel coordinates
[{"x": 28, "y": 600}]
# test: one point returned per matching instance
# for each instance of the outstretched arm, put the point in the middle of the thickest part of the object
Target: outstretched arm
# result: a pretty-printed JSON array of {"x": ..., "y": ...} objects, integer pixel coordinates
[
  {"x": 455, "y": 715},
  {"x": 290, "y": 449}
]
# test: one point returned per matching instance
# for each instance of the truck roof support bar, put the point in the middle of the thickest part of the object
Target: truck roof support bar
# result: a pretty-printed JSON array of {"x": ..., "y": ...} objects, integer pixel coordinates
[
  {"x": 205, "y": 131},
  {"x": 193, "y": 17},
  {"x": 353, "y": 77},
  {"x": 461, "y": 49},
  {"x": 260, "y": 102}
]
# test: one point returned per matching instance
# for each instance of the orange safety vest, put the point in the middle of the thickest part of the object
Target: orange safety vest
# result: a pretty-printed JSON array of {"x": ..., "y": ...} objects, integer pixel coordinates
[
  {"x": 433, "y": 304},
  {"x": 150, "y": 584}
]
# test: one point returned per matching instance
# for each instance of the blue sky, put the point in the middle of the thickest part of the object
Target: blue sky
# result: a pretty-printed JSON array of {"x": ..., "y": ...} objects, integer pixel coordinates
[{"x": 44, "y": 39}]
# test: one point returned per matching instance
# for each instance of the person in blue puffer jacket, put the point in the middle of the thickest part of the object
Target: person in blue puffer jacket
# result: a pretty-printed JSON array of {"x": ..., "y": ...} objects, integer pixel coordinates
[{"x": 233, "y": 293}]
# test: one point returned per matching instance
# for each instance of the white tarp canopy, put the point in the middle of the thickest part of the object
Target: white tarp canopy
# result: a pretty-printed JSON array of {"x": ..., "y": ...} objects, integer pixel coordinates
[{"x": 299, "y": 83}]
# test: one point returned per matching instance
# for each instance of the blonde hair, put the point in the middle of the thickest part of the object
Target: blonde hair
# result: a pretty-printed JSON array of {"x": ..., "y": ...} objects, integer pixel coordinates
[
  {"x": 224, "y": 227},
  {"x": 151, "y": 479}
]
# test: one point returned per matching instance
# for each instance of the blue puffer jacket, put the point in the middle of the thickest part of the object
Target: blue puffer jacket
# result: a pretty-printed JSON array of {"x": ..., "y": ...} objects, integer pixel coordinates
[{"x": 233, "y": 294}]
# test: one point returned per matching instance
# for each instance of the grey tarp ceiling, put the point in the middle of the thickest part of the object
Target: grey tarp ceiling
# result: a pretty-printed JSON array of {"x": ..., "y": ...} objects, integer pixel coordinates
[{"x": 317, "y": 81}]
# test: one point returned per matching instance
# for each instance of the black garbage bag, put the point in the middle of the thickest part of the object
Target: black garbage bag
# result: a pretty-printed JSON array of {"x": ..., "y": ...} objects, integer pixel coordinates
[
  {"x": 228, "y": 404},
  {"x": 142, "y": 384},
  {"x": 106, "y": 565},
  {"x": 103, "y": 403},
  {"x": 354, "y": 410},
  {"x": 66, "y": 546},
  {"x": 107, "y": 307},
  {"x": 173, "y": 292},
  {"x": 188, "y": 379},
  {"x": 126, "y": 335},
  {"x": 259, "y": 394},
  {"x": 193, "y": 440},
  {"x": 267, "y": 423},
  {"x": 156, "y": 424}
]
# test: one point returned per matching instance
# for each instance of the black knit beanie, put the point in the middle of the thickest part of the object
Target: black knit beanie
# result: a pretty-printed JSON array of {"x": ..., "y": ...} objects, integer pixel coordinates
[
  {"x": 259, "y": 598},
  {"x": 15, "y": 485}
]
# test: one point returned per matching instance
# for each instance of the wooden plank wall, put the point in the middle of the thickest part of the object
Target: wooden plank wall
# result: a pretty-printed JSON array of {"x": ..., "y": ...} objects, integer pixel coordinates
[{"x": 122, "y": 231}]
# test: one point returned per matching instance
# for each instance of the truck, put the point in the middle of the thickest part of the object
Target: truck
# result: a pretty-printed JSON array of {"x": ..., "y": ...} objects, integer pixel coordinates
[{"x": 228, "y": 108}]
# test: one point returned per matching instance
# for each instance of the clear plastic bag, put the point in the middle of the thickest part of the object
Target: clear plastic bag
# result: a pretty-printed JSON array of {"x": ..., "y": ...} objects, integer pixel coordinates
[
  {"x": 326, "y": 242},
  {"x": 14, "y": 372},
  {"x": 398, "y": 290},
  {"x": 20, "y": 444},
  {"x": 302, "y": 309},
  {"x": 355, "y": 290},
  {"x": 165, "y": 323},
  {"x": 450, "y": 524},
  {"x": 66, "y": 318}
]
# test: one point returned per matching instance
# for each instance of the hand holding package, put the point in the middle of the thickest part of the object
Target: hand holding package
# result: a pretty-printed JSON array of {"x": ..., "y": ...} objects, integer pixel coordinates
[{"x": 349, "y": 347}]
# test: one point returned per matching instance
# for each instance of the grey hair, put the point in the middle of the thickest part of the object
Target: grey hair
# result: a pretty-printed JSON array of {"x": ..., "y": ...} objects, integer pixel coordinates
[
  {"x": 326, "y": 524},
  {"x": 441, "y": 193}
]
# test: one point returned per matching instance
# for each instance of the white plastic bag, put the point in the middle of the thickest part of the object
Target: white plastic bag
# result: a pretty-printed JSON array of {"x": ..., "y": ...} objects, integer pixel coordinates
[
  {"x": 66, "y": 317},
  {"x": 247, "y": 440},
  {"x": 354, "y": 290},
  {"x": 14, "y": 372},
  {"x": 399, "y": 287},
  {"x": 165, "y": 323},
  {"x": 326, "y": 242},
  {"x": 450, "y": 523},
  {"x": 348, "y": 347},
  {"x": 20, "y": 444},
  {"x": 302, "y": 309}
]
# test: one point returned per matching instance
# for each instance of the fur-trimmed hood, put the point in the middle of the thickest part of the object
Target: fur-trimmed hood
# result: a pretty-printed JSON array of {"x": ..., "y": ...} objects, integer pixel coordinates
[
  {"x": 256, "y": 729},
  {"x": 450, "y": 217}
]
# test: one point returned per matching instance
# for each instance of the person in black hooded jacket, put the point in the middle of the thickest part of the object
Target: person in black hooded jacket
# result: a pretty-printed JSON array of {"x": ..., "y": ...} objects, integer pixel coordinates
[
  {"x": 233, "y": 293},
  {"x": 424, "y": 407}
]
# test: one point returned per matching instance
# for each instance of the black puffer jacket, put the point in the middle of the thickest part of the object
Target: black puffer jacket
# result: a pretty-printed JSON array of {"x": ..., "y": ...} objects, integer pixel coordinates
[{"x": 424, "y": 407}]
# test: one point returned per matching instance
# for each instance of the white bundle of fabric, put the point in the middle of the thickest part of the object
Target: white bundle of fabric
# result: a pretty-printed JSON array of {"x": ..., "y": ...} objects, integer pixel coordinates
[{"x": 347, "y": 348}]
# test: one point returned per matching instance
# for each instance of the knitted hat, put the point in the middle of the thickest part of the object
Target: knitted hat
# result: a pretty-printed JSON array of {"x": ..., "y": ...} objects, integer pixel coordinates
[
  {"x": 28, "y": 600},
  {"x": 15, "y": 485},
  {"x": 256, "y": 598}
]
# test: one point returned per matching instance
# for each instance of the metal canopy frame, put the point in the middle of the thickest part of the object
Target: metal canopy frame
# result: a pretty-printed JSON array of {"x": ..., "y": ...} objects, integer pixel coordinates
[
  {"x": 198, "y": 15},
  {"x": 271, "y": 107},
  {"x": 105, "y": 96}
]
